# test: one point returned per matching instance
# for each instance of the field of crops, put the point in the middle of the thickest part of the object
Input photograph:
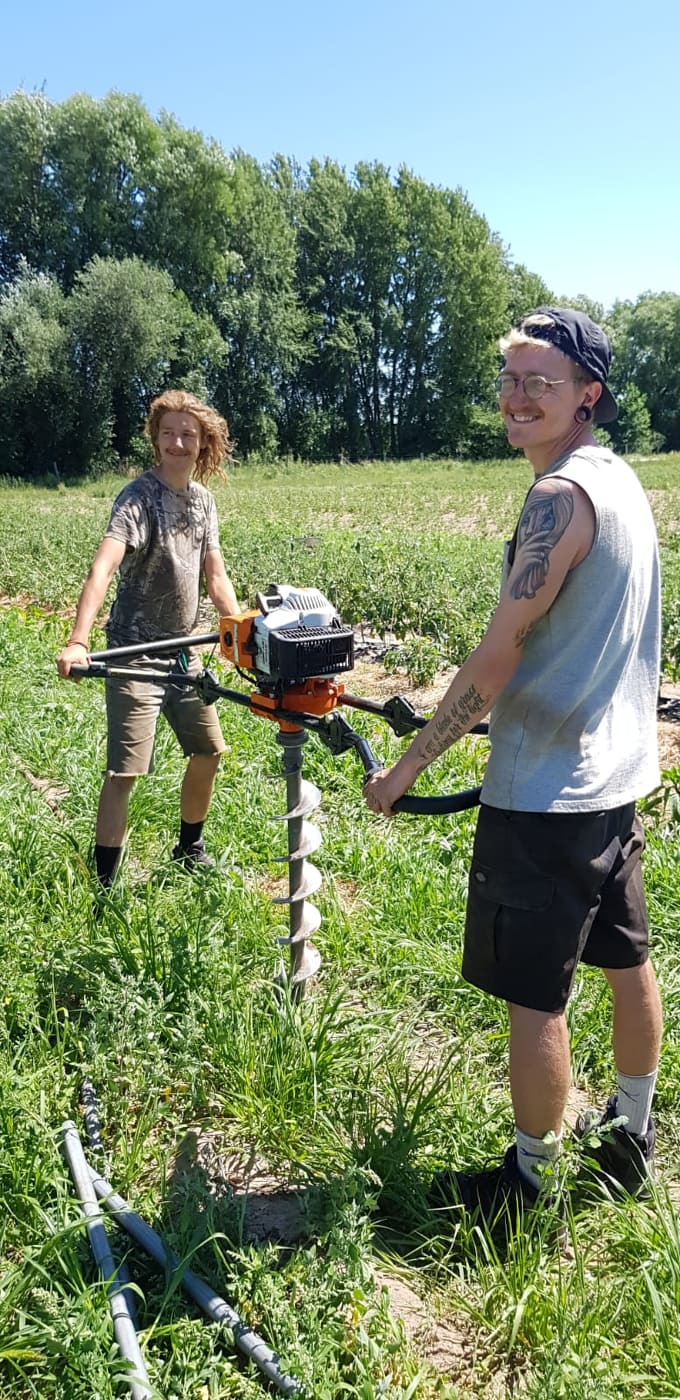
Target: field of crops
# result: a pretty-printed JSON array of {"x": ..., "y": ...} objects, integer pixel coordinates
[{"x": 286, "y": 1150}]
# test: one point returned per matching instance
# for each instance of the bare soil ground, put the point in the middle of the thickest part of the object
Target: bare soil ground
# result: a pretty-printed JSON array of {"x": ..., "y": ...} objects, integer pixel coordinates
[
  {"x": 669, "y": 724},
  {"x": 274, "y": 1210},
  {"x": 369, "y": 678}
]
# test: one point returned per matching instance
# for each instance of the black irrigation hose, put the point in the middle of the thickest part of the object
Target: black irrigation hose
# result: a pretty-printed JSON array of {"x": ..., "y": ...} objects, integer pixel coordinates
[
  {"x": 93, "y": 1129},
  {"x": 90, "y": 1106}
]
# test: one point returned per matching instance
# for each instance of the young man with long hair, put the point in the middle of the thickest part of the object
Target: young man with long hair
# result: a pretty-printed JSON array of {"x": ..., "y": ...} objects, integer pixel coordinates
[{"x": 163, "y": 539}]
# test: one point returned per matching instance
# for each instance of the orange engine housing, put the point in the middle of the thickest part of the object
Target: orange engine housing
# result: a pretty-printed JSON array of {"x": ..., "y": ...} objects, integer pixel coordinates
[
  {"x": 316, "y": 696},
  {"x": 236, "y": 639}
]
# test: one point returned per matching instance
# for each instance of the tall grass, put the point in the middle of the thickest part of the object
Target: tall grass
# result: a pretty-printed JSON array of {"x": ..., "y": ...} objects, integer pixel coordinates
[{"x": 392, "y": 1068}]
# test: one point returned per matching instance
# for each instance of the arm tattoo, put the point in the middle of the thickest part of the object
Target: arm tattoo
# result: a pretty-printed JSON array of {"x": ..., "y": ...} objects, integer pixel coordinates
[
  {"x": 543, "y": 523},
  {"x": 446, "y": 728}
]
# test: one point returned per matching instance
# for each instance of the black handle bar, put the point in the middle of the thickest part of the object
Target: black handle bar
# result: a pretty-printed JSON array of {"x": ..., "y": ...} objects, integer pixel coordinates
[
  {"x": 399, "y": 713},
  {"x": 420, "y": 806},
  {"x": 335, "y": 732},
  {"x": 171, "y": 644},
  {"x": 205, "y": 685}
]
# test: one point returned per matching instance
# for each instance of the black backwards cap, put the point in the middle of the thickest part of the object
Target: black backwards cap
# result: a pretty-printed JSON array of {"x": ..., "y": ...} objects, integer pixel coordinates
[{"x": 583, "y": 341}]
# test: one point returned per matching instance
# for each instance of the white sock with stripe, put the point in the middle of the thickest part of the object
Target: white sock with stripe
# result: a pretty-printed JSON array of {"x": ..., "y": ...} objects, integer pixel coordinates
[
  {"x": 535, "y": 1156},
  {"x": 634, "y": 1100}
]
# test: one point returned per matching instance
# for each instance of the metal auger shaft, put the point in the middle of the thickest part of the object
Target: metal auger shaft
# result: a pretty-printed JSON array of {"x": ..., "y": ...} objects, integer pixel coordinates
[{"x": 303, "y": 878}]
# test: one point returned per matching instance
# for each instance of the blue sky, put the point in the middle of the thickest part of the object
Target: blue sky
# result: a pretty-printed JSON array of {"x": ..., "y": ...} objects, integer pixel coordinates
[{"x": 561, "y": 121}]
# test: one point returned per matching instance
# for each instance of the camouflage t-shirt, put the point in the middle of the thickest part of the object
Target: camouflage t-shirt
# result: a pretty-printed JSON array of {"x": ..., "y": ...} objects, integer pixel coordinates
[{"x": 167, "y": 534}]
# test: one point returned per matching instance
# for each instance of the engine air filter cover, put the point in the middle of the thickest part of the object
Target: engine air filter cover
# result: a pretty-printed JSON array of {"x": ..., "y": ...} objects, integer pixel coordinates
[{"x": 300, "y": 653}]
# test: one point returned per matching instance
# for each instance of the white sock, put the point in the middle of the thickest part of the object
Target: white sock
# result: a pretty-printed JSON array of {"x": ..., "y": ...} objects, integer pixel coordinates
[
  {"x": 634, "y": 1100},
  {"x": 534, "y": 1155}
]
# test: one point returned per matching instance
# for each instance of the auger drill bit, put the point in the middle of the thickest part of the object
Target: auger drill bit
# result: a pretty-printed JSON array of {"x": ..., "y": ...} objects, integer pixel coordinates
[{"x": 303, "y": 878}]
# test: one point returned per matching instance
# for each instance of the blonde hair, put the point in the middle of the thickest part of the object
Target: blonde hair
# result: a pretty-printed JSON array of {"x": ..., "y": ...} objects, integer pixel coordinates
[
  {"x": 216, "y": 446},
  {"x": 518, "y": 336}
]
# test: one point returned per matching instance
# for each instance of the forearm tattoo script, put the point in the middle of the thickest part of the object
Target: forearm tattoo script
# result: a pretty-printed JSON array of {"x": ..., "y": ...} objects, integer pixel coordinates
[
  {"x": 542, "y": 524},
  {"x": 452, "y": 725}
]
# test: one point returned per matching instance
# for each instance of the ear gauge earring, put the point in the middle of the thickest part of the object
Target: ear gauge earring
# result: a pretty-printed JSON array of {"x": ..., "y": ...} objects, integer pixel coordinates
[{"x": 583, "y": 414}]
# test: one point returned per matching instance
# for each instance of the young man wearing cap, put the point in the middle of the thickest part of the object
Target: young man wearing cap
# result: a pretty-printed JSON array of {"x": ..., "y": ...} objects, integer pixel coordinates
[{"x": 568, "y": 668}]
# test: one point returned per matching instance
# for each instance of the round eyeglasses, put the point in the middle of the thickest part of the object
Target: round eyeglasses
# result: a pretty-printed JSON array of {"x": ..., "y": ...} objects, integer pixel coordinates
[{"x": 535, "y": 385}]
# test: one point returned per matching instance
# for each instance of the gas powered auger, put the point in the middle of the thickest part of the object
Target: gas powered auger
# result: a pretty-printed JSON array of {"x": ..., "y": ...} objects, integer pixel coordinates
[{"x": 294, "y": 644}]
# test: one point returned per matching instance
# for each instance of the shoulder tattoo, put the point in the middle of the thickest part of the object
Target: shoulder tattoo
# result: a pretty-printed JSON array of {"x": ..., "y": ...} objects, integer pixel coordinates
[{"x": 542, "y": 524}]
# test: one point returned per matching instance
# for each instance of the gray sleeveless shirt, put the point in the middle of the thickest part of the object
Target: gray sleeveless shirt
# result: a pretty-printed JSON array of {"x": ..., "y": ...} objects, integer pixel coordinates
[{"x": 575, "y": 728}]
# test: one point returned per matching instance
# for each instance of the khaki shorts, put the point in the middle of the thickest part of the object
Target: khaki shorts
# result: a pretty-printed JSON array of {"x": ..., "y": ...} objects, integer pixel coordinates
[{"x": 132, "y": 710}]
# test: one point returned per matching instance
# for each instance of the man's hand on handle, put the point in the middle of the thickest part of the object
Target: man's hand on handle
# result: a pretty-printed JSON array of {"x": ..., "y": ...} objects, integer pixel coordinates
[
  {"x": 385, "y": 788},
  {"x": 73, "y": 654}
]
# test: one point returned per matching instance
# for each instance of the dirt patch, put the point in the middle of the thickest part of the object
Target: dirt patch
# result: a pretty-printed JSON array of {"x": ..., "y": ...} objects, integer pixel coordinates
[
  {"x": 370, "y": 679},
  {"x": 446, "y": 1343},
  {"x": 669, "y": 745},
  {"x": 273, "y": 886},
  {"x": 475, "y": 523},
  {"x": 449, "y": 1344},
  {"x": 578, "y": 1101},
  {"x": 52, "y": 793},
  {"x": 272, "y": 1209},
  {"x": 348, "y": 893},
  {"x": 669, "y": 725},
  {"x": 24, "y": 602}
]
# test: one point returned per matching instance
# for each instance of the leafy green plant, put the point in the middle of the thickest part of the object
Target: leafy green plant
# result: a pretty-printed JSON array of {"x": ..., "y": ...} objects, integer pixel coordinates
[
  {"x": 664, "y": 803},
  {"x": 418, "y": 657}
]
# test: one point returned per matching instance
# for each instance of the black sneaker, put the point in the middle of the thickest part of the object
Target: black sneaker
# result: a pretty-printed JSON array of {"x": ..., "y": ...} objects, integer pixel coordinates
[
  {"x": 193, "y": 855},
  {"x": 499, "y": 1198},
  {"x": 626, "y": 1158}
]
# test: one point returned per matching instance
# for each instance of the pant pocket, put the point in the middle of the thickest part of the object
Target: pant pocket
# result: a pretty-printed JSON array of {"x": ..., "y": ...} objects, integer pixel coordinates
[{"x": 500, "y": 904}]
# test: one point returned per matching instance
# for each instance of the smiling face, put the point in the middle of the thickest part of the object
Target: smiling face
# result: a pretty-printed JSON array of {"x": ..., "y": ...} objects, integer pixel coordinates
[
  {"x": 179, "y": 442},
  {"x": 546, "y": 427}
]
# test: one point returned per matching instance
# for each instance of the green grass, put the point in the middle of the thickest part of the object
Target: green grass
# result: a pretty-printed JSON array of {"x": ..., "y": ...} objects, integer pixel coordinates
[
  {"x": 405, "y": 548},
  {"x": 392, "y": 1068}
]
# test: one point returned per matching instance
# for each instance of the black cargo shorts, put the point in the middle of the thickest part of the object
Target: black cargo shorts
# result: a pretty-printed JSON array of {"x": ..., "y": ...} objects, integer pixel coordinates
[{"x": 548, "y": 890}]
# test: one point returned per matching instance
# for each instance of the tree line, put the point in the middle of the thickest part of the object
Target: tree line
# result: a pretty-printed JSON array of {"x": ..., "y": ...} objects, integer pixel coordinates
[{"x": 326, "y": 315}]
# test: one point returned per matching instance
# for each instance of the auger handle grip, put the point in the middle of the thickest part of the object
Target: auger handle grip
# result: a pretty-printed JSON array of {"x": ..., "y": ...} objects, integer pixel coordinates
[
  {"x": 419, "y": 806},
  {"x": 101, "y": 671},
  {"x": 439, "y": 806}
]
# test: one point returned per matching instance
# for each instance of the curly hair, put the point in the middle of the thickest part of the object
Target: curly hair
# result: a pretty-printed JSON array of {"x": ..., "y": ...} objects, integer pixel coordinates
[{"x": 216, "y": 445}]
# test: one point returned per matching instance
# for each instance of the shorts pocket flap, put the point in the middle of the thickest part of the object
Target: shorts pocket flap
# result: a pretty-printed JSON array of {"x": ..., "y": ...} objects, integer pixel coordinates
[{"x": 515, "y": 889}]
